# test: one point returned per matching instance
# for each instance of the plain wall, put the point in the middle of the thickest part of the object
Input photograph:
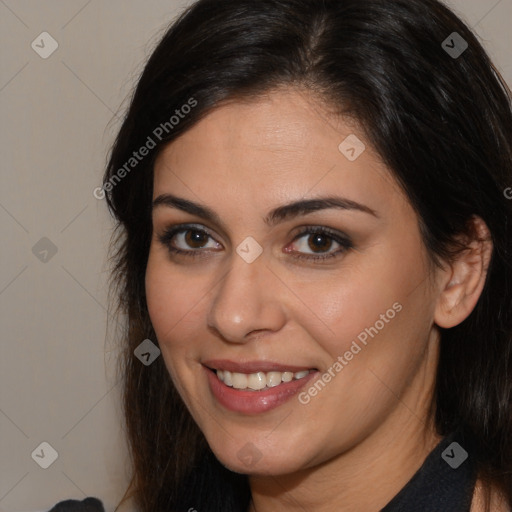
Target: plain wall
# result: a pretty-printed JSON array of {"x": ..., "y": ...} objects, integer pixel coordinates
[{"x": 57, "y": 382}]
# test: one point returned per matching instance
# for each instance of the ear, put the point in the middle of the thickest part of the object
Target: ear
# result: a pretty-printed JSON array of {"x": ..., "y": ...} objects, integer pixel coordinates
[{"x": 463, "y": 281}]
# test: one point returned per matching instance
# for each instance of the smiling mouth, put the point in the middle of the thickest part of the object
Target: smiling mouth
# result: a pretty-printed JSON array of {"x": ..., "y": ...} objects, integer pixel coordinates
[{"x": 259, "y": 381}]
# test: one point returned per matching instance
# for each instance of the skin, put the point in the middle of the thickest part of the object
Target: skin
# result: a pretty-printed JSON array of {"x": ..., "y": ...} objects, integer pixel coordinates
[{"x": 370, "y": 423}]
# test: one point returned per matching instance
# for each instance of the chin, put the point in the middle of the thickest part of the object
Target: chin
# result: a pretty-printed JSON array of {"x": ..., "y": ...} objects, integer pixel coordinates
[
  {"x": 263, "y": 467},
  {"x": 258, "y": 457}
]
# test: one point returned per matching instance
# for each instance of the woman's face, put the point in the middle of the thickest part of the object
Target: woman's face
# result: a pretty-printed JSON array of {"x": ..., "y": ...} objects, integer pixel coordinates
[{"x": 248, "y": 299}]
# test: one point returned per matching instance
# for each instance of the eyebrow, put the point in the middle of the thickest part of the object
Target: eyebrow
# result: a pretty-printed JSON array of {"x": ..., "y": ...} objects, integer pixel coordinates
[{"x": 275, "y": 216}]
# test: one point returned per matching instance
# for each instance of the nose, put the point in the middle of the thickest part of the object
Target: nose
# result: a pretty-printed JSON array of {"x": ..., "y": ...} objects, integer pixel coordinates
[{"x": 246, "y": 300}]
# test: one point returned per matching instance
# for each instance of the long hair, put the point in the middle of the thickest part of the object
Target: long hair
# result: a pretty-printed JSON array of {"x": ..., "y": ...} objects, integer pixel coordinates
[{"x": 438, "y": 114}]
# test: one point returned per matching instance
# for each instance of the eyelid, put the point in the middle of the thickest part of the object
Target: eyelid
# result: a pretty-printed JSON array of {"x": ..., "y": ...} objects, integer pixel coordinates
[
  {"x": 318, "y": 228},
  {"x": 187, "y": 225}
]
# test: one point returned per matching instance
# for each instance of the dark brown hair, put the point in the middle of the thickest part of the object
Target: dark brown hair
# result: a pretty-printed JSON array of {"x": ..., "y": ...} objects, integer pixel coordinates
[{"x": 441, "y": 122}]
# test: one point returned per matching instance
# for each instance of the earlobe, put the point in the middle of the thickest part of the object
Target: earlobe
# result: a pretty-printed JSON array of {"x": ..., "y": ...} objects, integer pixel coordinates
[{"x": 461, "y": 284}]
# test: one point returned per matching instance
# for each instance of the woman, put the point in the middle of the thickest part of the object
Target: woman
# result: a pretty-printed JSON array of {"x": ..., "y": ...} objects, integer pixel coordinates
[{"x": 314, "y": 231}]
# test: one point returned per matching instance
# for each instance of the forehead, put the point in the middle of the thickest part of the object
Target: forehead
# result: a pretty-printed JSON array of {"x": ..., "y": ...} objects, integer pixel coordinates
[{"x": 283, "y": 145}]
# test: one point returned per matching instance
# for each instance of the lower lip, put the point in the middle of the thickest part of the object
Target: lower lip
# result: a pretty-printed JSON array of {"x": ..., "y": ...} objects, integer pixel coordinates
[{"x": 254, "y": 402}]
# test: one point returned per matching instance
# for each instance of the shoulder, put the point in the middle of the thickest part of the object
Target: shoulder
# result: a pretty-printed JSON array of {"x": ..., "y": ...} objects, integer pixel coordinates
[{"x": 87, "y": 505}]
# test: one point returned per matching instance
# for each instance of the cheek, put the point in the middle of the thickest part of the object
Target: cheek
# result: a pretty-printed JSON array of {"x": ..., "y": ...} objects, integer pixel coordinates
[
  {"x": 174, "y": 306},
  {"x": 357, "y": 300},
  {"x": 160, "y": 296},
  {"x": 376, "y": 315},
  {"x": 173, "y": 302}
]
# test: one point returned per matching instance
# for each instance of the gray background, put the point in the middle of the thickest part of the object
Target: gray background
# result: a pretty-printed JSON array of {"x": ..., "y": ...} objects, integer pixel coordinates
[{"x": 59, "y": 116}]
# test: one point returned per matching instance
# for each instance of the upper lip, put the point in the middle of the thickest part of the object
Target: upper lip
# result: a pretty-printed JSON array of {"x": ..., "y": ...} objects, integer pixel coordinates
[{"x": 253, "y": 366}]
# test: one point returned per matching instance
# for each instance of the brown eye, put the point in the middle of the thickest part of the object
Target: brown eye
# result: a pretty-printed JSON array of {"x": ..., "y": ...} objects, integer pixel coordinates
[
  {"x": 195, "y": 238},
  {"x": 187, "y": 240},
  {"x": 316, "y": 243},
  {"x": 319, "y": 242}
]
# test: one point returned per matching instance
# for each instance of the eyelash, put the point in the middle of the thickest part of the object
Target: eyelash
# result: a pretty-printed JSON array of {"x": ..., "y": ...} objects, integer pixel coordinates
[{"x": 166, "y": 238}]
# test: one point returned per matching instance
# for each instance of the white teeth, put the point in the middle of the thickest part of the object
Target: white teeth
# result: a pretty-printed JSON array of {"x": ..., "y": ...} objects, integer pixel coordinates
[
  {"x": 239, "y": 380},
  {"x": 274, "y": 379},
  {"x": 256, "y": 381},
  {"x": 228, "y": 378},
  {"x": 259, "y": 380},
  {"x": 287, "y": 376}
]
